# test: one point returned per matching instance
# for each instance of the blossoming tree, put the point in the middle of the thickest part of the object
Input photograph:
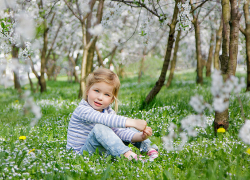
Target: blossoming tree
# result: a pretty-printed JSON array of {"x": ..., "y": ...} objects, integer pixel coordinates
[{"x": 84, "y": 12}]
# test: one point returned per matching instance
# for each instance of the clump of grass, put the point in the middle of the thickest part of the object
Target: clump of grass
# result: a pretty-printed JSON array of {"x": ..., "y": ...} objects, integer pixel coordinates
[{"x": 42, "y": 155}]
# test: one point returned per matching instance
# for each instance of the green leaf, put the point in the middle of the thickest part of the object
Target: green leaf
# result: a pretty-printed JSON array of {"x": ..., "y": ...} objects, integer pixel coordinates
[{"x": 3, "y": 25}]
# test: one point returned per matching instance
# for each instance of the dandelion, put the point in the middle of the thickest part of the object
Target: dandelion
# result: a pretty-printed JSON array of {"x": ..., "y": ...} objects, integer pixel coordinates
[
  {"x": 248, "y": 151},
  {"x": 221, "y": 130},
  {"x": 16, "y": 101},
  {"x": 22, "y": 137},
  {"x": 31, "y": 151}
]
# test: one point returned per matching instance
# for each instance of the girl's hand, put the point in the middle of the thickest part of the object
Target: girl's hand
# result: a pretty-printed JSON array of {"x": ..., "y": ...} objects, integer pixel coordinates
[
  {"x": 146, "y": 133},
  {"x": 141, "y": 136}
]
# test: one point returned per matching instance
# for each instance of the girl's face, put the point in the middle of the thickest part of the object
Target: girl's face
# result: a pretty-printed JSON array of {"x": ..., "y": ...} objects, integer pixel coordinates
[{"x": 100, "y": 95}]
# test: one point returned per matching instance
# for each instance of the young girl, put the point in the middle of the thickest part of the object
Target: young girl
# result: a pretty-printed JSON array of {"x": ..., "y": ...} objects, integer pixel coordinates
[{"x": 95, "y": 125}]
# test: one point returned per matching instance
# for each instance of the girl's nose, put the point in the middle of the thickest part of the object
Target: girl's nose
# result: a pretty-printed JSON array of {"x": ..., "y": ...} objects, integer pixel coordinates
[{"x": 100, "y": 97}]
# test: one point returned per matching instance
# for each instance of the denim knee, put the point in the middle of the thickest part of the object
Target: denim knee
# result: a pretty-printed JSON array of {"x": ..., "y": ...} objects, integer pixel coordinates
[{"x": 100, "y": 128}]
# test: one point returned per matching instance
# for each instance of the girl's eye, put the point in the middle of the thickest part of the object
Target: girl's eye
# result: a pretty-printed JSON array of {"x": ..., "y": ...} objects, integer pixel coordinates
[
  {"x": 96, "y": 90},
  {"x": 107, "y": 95}
]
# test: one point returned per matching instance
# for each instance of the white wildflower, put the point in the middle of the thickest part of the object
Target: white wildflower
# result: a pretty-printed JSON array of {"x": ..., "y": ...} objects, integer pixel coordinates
[
  {"x": 171, "y": 130},
  {"x": 168, "y": 143},
  {"x": 240, "y": 86},
  {"x": 184, "y": 139}
]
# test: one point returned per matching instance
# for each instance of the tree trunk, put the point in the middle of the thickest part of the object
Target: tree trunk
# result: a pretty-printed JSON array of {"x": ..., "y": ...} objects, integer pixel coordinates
[
  {"x": 112, "y": 56},
  {"x": 120, "y": 71},
  {"x": 17, "y": 84},
  {"x": 210, "y": 55},
  {"x": 99, "y": 57},
  {"x": 57, "y": 71},
  {"x": 50, "y": 68},
  {"x": 173, "y": 62},
  {"x": 158, "y": 85},
  {"x": 31, "y": 83},
  {"x": 74, "y": 69},
  {"x": 141, "y": 65},
  {"x": 199, "y": 78},
  {"x": 234, "y": 37},
  {"x": 221, "y": 118},
  {"x": 89, "y": 48},
  {"x": 218, "y": 46},
  {"x": 91, "y": 52},
  {"x": 228, "y": 58},
  {"x": 43, "y": 58},
  {"x": 36, "y": 74},
  {"x": 247, "y": 36}
]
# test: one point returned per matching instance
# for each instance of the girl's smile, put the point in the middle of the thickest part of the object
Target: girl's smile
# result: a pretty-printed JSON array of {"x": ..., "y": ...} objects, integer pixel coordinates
[{"x": 97, "y": 103}]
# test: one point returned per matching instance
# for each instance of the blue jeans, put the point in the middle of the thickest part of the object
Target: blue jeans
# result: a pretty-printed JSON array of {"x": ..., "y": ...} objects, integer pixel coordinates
[{"x": 104, "y": 138}]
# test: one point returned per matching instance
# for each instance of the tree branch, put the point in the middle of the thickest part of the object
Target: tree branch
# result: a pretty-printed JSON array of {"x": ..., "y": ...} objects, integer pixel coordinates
[
  {"x": 207, "y": 13},
  {"x": 134, "y": 30},
  {"x": 139, "y": 4},
  {"x": 111, "y": 52},
  {"x": 54, "y": 40},
  {"x": 194, "y": 8},
  {"x": 242, "y": 30},
  {"x": 78, "y": 17},
  {"x": 100, "y": 60},
  {"x": 51, "y": 9}
]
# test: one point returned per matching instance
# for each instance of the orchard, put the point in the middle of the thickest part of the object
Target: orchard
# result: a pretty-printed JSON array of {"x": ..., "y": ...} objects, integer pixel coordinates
[{"x": 184, "y": 68}]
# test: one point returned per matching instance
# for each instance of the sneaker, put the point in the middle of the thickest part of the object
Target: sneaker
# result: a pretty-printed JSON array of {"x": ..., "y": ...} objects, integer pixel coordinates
[{"x": 152, "y": 154}]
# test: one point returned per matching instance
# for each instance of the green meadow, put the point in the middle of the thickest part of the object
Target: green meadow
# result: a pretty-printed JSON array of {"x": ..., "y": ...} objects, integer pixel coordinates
[{"x": 42, "y": 153}]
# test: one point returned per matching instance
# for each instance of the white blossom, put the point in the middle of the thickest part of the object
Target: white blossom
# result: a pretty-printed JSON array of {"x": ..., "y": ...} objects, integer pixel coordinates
[
  {"x": 219, "y": 104},
  {"x": 244, "y": 133},
  {"x": 4, "y": 4},
  {"x": 184, "y": 17},
  {"x": 217, "y": 83},
  {"x": 32, "y": 107},
  {"x": 96, "y": 30},
  {"x": 25, "y": 25},
  {"x": 168, "y": 143},
  {"x": 197, "y": 103}
]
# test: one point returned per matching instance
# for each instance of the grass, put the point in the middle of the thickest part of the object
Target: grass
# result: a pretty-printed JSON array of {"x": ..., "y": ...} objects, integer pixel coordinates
[{"x": 43, "y": 155}]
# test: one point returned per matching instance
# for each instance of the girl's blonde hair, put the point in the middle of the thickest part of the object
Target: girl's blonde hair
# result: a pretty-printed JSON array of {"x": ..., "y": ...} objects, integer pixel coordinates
[{"x": 103, "y": 75}]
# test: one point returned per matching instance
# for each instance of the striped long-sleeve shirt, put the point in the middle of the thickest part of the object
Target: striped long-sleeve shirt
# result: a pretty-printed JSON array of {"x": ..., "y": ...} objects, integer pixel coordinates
[{"x": 84, "y": 119}]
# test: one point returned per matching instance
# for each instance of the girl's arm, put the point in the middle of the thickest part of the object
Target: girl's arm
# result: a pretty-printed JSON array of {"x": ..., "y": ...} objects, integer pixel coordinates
[
  {"x": 88, "y": 115},
  {"x": 136, "y": 123}
]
